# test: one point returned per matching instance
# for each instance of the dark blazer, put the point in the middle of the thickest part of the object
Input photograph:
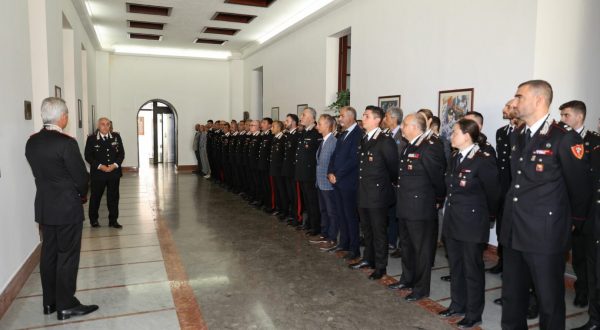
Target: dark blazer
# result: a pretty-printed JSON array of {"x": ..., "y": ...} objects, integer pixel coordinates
[
  {"x": 377, "y": 171},
  {"x": 99, "y": 152},
  {"x": 549, "y": 189},
  {"x": 345, "y": 158},
  {"x": 306, "y": 155},
  {"x": 591, "y": 143},
  {"x": 264, "y": 150},
  {"x": 421, "y": 180},
  {"x": 288, "y": 167},
  {"x": 473, "y": 195},
  {"x": 60, "y": 175},
  {"x": 277, "y": 154},
  {"x": 253, "y": 147},
  {"x": 503, "y": 146}
]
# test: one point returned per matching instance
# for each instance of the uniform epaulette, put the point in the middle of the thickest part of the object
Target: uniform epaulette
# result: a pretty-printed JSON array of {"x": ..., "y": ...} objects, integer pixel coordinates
[
  {"x": 562, "y": 126},
  {"x": 431, "y": 141},
  {"x": 115, "y": 133},
  {"x": 594, "y": 133},
  {"x": 487, "y": 154}
]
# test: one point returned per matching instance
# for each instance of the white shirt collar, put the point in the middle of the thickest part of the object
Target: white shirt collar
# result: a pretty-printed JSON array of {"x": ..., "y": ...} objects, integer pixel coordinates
[
  {"x": 395, "y": 130},
  {"x": 466, "y": 151},
  {"x": 372, "y": 132},
  {"x": 52, "y": 127},
  {"x": 278, "y": 135},
  {"x": 535, "y": 127},
  {"x": 308, "y": 128},
  {"x": 326, "y": 137},
  {"x": 415, "y": 139},
  {"x": 581, "y": 129},
  {"x": 349, "y": 129},
  {"x": 293, "y": 130}
]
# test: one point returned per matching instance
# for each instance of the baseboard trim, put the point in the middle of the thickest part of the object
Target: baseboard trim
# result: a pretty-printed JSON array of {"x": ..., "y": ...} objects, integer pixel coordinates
[
  {"x": 18, "y": 281},
  {"x": 186, "y": 168}
]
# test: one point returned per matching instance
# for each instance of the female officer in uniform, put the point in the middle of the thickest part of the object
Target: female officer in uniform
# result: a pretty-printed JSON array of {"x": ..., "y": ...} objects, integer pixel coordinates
[{"x": 473, "y": 192}]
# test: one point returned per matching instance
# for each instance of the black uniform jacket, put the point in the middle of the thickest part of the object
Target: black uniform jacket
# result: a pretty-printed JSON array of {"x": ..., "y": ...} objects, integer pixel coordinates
[
  {"x": 60, "y": 175},
  {"x": 473, "y": 195},
  {"x": 99, "y": 152},
  {"x": 306, "y": 154},
  {"x": 421, "y": 180},
  {"x": 377, "y": 170},
  {"x": 550, "y": 187},
  {"x": 277, "y": 154},
  {"x": 288, "y": 168}
]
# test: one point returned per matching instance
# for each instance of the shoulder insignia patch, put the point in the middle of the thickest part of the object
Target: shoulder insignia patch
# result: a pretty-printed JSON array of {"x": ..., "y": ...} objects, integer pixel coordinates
[{"x": 578, "y": 151}]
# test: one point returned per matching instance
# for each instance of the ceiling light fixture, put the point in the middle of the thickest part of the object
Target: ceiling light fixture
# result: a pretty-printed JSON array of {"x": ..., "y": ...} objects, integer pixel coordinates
[
  {"x": 312, "y": 8},
  {"x": 175, "y": 52}
]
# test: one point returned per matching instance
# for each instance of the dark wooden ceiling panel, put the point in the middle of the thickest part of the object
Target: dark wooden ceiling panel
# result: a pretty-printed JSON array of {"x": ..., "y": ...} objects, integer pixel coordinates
[
  {"x": 148, "y": 9},
  {"x": 144, "y": 36},
  {"x": 209, "y": 41},
  {"x": 255, "y": 3},
  {"x": 231, "y": 17},
  {"x": 215, "y": 30},
  {"x": 146, "y": 25}
]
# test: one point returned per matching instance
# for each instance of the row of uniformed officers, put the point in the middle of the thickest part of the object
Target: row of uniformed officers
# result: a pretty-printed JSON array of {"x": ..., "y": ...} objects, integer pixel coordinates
[{"x": 538, "y": 189}]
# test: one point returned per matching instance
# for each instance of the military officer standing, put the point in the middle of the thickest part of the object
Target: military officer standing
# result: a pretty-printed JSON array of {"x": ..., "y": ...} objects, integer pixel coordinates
[
  {"x": 288, "y": 169},
  {"x": 549, "y": 172},
  {"x": 378, "y": 170},
  {"x": 573, "y": 114},
  {"x": 275, "y": 168},
  {"x": 264, "y": 153},
  {"x": 306, "y": 170},
  {"x": 105, "y": 154}
]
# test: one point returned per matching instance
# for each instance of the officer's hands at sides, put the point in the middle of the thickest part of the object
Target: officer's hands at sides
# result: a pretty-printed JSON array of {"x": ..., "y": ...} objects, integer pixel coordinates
[
  {"x": 331, "y": 178},
  {"x": 109, "y": 168}
]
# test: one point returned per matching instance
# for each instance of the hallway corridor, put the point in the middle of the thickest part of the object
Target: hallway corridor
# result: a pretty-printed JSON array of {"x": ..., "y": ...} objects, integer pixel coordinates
[{"x": 193, "y": 255}]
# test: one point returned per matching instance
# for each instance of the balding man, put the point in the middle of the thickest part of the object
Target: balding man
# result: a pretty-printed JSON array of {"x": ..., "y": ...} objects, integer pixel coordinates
[
  {"x": 105, "y": 154},
  {"x": 549, "y": 194}
]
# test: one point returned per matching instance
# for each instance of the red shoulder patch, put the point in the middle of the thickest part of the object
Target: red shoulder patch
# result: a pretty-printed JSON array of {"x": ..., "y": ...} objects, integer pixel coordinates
[{"x": 578, "y": 151}]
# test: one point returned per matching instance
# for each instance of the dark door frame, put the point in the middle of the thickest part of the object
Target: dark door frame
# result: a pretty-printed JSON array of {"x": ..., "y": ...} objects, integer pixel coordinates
[{"x": 156, "y": 110}]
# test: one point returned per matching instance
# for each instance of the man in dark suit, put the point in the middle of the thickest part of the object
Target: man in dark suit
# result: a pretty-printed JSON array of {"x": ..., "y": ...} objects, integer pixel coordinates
[
  {"x": 264, "y": 153},
  {"x": 105, "y": 154},
  {"x": 253, "y": 146},
  {"x": 549, "y": 195},
  {"x": 343, "y": 174},
  {"x": 378, "y": 166},
  {"x": 573, "y": 114},
  {"x": 420, "y": 194},
  {"x": 61, "y": 180},
  {"x": 275, "y": 168},
  {"x": 306, "y": 170},
  {"x": 288, "y": 169}
]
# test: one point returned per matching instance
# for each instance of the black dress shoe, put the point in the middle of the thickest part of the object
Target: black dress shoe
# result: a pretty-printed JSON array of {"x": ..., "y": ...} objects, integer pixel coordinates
[
  {"x": 495, "y": 270},
  {"x": 396, "y": 254},
  {"x": 467, "y": 324},
  {"x": 450, "y": 312},
  {"x": 95, "y": 224},
  {"x": 588, "y": 326},
  {"x": 49, "y": 309},
  {"x": 76, "y": 311},
  {"x": 498, "y": 301},
  {"x": 351, "y": 256},
  {"x": 414, "y": 297},
  {"x": 399, "y": 286},
  {"x": 446, "y": 278},
  {"x": 378, "y": 274},
  {"x": 581, "y": 300},
  {"x": 533, "y": 312},
  {"x": 359, "y": 265},
  {"x": 115, "y": 225}
]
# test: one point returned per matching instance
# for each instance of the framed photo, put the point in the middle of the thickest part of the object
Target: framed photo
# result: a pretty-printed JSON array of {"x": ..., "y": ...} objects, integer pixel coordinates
[
  {"x": 93, "y": 119},
  {"x": 79, "y": 113},
  {"x": 57, "y": 92},
  {"x": 300, "y": 108},
  {"x": 27, "y": 109},
  {"x": 452, "y": 106},
  {"x": 246, "y": 115},
  {"x": 385, "y": 102},
  {"x": 275, "y": 113}
]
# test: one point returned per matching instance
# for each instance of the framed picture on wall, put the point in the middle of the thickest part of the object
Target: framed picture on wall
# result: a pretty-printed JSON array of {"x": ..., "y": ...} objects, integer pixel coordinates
[
  {"x": 452, "y": 106},
  {"x": 93, "y": 119},
  {"x": 246, "y": 115},
  {"x": 275, "y": 113},
  {"x": 79, "y": 113},
  {"x": 57, "y": 92},
  {"x": 27, "y": 110},
  {"x": 385, "y": 102},
  {"x": 300, "y": 108}
]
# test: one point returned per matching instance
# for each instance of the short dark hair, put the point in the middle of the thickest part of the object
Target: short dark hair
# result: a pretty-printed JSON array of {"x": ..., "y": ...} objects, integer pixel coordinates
[
  {"x": 576, "y": 105},
  {"x": 210, "y": 121},
  {"x": 468, "y": 126},
  {"x": 435, "y": 121},
  {"x": 428, "y": 113},
  {"x": 226, "y": 125},
  {"x": 541, "y": 86},
  {"x": 278, "y": 124},
  {"x": 294, "y": 117},
  {"x": 477, "y": 115},
  {"x": 329, "y": 119},
  {"x": 376, "y": 111},
  {"x": 269, "y": 120},
  {"x": 233, "y": 121}
]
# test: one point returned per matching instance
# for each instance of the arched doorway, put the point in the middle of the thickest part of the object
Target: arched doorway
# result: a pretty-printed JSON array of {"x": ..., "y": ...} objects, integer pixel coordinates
[{"x": 157, "y": 133}]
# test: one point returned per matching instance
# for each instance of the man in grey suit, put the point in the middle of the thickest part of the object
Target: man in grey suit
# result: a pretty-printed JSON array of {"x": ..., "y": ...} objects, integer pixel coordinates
[
  {"x": 202, "y": 151},
  {"x": 327, "y": 206}
]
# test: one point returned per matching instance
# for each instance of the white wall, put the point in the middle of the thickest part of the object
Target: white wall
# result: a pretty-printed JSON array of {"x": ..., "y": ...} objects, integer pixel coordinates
[
  {"x": 198, "y": 89},
  {"x": 19, "y": 235},
  {"x": 566, "y": 53},
  {"x": 412, "y": 48}
]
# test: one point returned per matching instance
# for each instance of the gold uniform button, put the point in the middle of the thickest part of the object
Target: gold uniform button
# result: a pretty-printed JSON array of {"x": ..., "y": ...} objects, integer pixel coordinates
[{"x": 515, "y": 199}]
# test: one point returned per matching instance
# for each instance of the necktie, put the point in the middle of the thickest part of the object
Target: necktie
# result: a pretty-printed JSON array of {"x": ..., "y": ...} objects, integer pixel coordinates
[
  {"x": 510, "y": 129},
  {"x": 527, "y": 136},
  {"x": 344, "y": 133},
  {"x": 458, "y": 159},
  {"x": 319, "y": 150}
]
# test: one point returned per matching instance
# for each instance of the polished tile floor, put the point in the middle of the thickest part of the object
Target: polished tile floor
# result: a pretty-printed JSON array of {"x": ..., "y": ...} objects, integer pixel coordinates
[{"x": 192, "y": 255}]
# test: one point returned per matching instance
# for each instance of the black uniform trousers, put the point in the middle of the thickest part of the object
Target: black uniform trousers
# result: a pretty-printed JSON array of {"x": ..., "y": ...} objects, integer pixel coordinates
[
  {"x": 374, "y": 225},
  {"x": 292, "y": 198},
  {"x": 265, "y": 188},
  {"x": 415, "y": 242},
  {"x": 579, "y": 261},
  {"x": 547, "y": 273},
  {"x": 310, "y": 198},
  {"x": 59, "y": 262},
  {"x": 467, "y": 287},
  {"x": 255, "y": 187},
  {"x": 112, "y": 197},
  {"x": 281, "y": 197}
]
